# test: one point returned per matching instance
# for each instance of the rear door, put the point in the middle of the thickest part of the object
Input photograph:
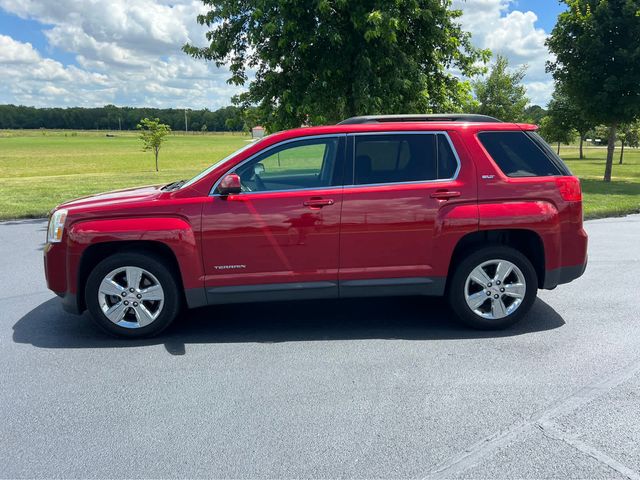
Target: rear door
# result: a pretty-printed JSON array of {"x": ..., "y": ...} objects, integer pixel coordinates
[{"x": 402, "y": 184}]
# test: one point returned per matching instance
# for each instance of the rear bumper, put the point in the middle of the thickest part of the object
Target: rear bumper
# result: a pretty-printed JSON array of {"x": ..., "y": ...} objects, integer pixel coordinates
[{"x": 561, "y": 275}]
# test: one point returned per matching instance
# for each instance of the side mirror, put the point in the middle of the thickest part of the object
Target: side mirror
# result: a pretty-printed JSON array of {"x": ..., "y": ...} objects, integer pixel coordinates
[{"x": 230, "y": 184}]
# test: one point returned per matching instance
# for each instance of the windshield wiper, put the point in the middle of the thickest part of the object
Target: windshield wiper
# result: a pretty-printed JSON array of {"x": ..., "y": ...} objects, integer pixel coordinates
[{"x": 174, "y": 185}]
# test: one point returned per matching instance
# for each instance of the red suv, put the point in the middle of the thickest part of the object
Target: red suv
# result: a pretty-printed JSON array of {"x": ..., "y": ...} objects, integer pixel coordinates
[{"x": 465, "y": 206}]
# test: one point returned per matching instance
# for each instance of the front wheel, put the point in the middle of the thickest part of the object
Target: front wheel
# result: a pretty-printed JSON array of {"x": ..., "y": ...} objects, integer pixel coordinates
[
  {"x": 493, "y": 288},
  {"x": 132, "y": 295}
]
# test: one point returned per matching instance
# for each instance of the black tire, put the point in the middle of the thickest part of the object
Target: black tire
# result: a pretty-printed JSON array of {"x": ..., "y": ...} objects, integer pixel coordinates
[
  {"x": 152, "y": 264},
  {"x": 456, "y": 287}
]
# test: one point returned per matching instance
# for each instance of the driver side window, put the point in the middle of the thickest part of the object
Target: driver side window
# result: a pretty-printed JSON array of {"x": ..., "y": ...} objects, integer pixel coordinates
[{"x": 292, "y": 166}]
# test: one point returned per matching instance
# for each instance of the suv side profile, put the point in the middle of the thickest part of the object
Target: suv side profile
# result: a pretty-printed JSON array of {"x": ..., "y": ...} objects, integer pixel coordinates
[{"x": 465, "y": 206}]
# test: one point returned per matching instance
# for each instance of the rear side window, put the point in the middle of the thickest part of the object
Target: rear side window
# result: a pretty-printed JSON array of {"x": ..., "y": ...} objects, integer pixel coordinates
[
  {"x": 520, "y": 155},
  {"x": 395, "y": 158}
]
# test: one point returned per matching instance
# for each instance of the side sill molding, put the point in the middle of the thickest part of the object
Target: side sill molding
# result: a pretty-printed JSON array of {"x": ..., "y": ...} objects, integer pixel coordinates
[
  {"x": 272, "y": 292},
  {"x": 429, "y": 286}
]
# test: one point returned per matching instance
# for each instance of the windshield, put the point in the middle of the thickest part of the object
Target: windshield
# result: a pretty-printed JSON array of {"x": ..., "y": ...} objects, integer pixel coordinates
[{"x": 217, "y": 164}]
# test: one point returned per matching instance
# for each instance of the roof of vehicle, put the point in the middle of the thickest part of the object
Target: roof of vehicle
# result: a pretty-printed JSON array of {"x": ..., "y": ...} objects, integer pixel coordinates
[
  {"x": 398, "y": 127},
  {"x": 429, "y": 117}
]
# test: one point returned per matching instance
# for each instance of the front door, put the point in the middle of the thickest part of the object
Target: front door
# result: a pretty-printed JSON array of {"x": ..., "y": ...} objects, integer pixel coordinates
[
  {"x": 402, "y": 183},
  {"x": 279, "y": 238}
]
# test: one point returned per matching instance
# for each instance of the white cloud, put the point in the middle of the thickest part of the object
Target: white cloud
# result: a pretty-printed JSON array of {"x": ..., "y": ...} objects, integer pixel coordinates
[
  {"x": 33, "y": 80},
  {"x": 514, "y": 35},
  {"x": 127, "y": 52},
  {"x": 12, "y": 52}
]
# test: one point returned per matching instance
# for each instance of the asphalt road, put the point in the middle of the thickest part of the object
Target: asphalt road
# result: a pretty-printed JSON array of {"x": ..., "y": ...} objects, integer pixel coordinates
[{"x": 360, "y": 388}]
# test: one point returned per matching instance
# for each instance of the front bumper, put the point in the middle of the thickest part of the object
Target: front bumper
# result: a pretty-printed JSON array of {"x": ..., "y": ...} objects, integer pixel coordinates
[
  {"x": 70, "y": 303},
  {"x": 55, "y": 271}
]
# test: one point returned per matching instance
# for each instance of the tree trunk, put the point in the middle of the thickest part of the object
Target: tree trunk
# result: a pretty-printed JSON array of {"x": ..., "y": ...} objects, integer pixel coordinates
[
  {"x": 611, "y": 146},
  {"x": 558, "y": 148},
  {"x": 581, "y": 143},
  {"x": 621, "y": 153},
  {"x": 157, "y": 151}
]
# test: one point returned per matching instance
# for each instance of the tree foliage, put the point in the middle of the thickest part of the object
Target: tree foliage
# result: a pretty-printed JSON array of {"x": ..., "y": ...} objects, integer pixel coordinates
[
  {"x": 152, "y": 134},
  {"x": 565, "y": 115},
  {"x": 595, "y": 43},
  {"x": 629, "y": 137},
  {"x": 501, "y": 93},
  {"x": 320, "y": 61},
  {"x": 553, "y": 130},
  {"x": 534, "y": 114}
]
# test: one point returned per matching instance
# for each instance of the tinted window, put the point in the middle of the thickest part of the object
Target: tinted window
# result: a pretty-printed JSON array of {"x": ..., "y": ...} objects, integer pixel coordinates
[
  {"x": 296, "y": 165},
  {"x": 402, "y": 158},
  {"x": 447, "y": 163},
  {"x": 518, "y": 155}
]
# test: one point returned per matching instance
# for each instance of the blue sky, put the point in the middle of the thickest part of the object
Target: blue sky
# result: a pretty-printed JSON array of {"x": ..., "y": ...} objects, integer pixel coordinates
[
  {"x": 127, "y": 52},
  {"x": 546, "y": 10}
]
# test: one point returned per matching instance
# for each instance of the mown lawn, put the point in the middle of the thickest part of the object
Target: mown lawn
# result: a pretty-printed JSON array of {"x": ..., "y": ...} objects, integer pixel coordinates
[
  {"x": 39, "y": 169},
  {"x": 621, "y": 196}
]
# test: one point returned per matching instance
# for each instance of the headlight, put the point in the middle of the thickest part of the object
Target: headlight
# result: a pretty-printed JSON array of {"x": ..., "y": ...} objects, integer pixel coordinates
[{"x": 56, "y": 226}]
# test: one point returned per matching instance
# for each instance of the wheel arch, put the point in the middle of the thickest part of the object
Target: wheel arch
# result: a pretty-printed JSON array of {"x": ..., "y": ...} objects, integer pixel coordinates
[
  {"x": 526, "y": 241},
  {"x": 97, "y": 252}
]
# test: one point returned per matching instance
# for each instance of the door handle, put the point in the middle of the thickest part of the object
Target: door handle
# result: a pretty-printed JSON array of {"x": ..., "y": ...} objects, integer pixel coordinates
[
  {"x": 445, "y": 194},
  {"x": 318, "y": 202}
]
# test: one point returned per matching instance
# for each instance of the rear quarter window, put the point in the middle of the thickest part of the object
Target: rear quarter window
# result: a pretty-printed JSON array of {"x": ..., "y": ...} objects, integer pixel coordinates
[{"x": 518, "y": 154}]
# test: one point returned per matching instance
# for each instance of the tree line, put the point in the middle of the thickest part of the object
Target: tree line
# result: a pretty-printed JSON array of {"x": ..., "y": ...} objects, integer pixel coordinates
[{"x": 111, "y": 117}]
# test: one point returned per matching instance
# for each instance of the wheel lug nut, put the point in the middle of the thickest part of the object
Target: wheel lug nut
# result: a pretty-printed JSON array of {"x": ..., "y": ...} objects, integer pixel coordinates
[
  {"x": 135, "y": 304},
  {"x": 489, "y": 284},
  {"x": 139, "y": 296},
  {"x": 502, "y": 289},
  {"x": 126, "y": 303},
  {"x": 496, "y": 296},
  {"x": 131, "y": 290},
  {"x": 488, "y": 293},
  {"x": 124, "y": 294},
  {"x": 498, "y": 282}
]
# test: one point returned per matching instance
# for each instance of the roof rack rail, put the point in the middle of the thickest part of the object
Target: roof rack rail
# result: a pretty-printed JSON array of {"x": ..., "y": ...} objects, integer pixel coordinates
[{"x": 435, "y": 117}]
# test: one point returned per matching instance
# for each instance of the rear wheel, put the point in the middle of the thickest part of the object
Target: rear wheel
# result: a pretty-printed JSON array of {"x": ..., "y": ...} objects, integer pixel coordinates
[
  {"x": 493, "y": 288},
  {"x": 132, "y": 295}
]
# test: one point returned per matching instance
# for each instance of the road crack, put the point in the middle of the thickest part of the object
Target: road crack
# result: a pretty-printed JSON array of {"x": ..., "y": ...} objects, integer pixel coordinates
[
  {"x": 554, "y": 432},
  {"x": 482, "y": 449}
]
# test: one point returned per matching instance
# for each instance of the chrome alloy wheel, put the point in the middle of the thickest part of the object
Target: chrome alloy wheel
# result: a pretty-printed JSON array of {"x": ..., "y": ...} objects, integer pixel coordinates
[
  {"x": 495, "y": 289},
  {"x": 131, "y": 297}
]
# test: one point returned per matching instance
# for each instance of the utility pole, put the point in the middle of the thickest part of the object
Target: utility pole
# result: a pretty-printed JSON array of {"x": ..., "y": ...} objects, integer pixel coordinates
[{"x": 186, "y": 124}]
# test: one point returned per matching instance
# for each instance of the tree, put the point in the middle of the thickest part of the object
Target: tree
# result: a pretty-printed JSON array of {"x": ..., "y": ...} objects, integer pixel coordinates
[
  {"x": 595, "y": 43},
  {"x": 152, "y": 135},
  {"x": 565, "y": 114},
  {"x": 630, "y": 136},
  {"x": 501, "y": 94},
  {"x": 534, "y": 114},
  {"x": 320, "y": 62},
  {"x": 553, "y": 130}
]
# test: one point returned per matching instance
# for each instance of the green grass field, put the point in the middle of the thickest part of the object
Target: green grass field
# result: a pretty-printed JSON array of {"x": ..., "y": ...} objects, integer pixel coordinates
[{"x": 39, "y": 169}]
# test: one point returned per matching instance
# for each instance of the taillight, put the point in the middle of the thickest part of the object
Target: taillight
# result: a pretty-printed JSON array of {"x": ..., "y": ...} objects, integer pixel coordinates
[{"x": 569, "y": 188}]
